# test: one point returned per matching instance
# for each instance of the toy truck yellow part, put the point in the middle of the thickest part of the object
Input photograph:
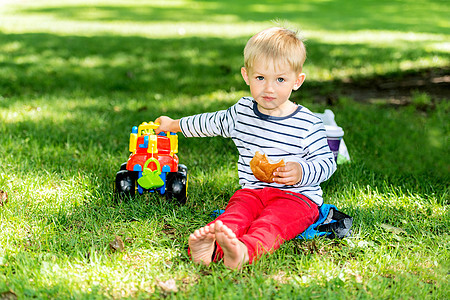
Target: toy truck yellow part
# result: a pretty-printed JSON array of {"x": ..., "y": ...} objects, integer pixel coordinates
[
  {"x": 147, "y": 128},
  {"x": 151, "y": 139},
  {"x": 144, "y": 128},
  {"x": 133, "y": 140},
  {"x": 173, "y": 143},
  {"x": 152, "y": 144}
]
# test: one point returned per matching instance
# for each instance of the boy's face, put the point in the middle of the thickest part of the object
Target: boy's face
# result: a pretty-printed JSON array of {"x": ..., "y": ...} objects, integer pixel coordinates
[{"x": 271, "y": 85}]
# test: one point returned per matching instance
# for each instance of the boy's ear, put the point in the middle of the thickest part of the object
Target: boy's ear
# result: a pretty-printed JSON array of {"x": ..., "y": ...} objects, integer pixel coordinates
[
  {"x": 245, "y": 75},
  {"x": 299, "y": 81}
]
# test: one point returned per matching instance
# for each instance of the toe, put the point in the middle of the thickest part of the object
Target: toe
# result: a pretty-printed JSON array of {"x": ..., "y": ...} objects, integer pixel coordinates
[
  {"x": 212, "y": 228},
  {"x": 192, "y": 237},
  {"x": 218, "y": 225},
  {"x": 228, "y": 232}
]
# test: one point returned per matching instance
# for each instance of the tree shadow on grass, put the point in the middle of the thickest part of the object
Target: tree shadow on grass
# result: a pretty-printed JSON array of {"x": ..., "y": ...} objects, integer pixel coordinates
[{"x": 45, "y": 64}]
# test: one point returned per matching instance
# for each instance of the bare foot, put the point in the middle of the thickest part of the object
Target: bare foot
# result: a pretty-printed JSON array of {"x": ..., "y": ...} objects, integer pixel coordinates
[
  {"x": 235, "y": 253},
  {"x": 201, "y": 244}
]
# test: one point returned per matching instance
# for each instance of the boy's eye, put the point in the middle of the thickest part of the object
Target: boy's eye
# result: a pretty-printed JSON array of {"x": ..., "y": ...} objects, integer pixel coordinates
[
  {"x": 259, "y": 77},
  {"x": 280, "y": 79}
]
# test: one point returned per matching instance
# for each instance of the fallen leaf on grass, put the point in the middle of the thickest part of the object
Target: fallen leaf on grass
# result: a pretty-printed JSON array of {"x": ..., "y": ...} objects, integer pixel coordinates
[
  {"x": 117, "y": 244},
  {"x": 3, "y": 198},
  {"x": 168, "y": 286},
  {"x": 310, "y": 247},
  {"x": 281, "y": 277},
  {"x": 392, "y": 229},
  {"x": 8, "y": 296},
  {"x": 169, "y": 230}
]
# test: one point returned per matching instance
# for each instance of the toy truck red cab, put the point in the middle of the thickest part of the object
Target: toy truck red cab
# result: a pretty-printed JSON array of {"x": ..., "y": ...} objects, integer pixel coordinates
[{"x": 153, "y": 165}]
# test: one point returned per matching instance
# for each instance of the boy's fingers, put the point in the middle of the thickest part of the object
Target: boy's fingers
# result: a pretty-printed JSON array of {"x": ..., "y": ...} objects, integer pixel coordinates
[
  {"x": 284, "y": 180},
  {"x": 283, "y": 172},
  {"x": 158, "y": 120},
  {"x": 282, "y": 169},
  {"x": 286, "y": 175}
]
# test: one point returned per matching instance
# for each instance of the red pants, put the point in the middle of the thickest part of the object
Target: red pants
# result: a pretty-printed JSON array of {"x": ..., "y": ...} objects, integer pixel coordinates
[{"x": 263, "y": 219}]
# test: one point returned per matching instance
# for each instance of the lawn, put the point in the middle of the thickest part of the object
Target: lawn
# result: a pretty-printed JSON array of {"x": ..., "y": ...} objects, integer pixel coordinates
[{"x": 75, "y": 77}]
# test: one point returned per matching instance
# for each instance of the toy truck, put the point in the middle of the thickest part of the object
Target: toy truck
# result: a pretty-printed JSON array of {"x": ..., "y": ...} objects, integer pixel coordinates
[{"x": 152, "y": 166}]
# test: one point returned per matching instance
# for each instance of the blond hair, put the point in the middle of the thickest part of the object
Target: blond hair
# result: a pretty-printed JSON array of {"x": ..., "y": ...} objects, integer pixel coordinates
[{"x": 277, "y": 44}]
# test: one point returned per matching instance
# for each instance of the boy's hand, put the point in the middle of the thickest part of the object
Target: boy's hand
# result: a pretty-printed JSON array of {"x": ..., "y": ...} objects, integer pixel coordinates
[
  {"x": 167, "y": 124},
  {"x": 290, "y": 174}
]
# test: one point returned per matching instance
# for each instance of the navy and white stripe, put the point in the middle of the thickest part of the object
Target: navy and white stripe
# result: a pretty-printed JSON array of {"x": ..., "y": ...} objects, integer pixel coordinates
[{"x": 299, "y": 137}]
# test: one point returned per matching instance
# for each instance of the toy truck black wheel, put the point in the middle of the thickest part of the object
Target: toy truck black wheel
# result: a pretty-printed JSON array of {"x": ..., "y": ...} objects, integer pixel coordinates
[
  {"x": 123, "y": 166},
  {"x": 182, "y": 169},
  {"x": 125, "y": 184},
  {"x": 176, "y": 185}
]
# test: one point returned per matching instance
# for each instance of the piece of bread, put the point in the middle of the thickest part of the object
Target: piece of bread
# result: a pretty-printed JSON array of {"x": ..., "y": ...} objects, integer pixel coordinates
[{"x": 263, "y": 168}]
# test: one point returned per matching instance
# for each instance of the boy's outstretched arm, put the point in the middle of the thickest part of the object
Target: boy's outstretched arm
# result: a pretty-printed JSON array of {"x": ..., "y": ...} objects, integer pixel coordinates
[{"x": 167, "y": 124}]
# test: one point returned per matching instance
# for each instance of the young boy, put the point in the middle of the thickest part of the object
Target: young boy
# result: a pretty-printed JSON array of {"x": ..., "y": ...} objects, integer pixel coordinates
[{"x": 261, "y": 216}]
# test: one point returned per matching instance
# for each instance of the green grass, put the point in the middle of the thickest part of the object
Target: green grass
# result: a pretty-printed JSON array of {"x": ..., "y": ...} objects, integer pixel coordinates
[{"x": 74, "y": 78}]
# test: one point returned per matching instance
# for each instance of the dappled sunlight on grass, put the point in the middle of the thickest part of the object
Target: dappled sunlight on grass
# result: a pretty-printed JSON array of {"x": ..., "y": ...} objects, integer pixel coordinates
[
  {"x": 375, "y": 37},
  {"x": 100, "y": 269},
  {"x": 42, "y": 192},
  {"x": 205, "y": 16}
]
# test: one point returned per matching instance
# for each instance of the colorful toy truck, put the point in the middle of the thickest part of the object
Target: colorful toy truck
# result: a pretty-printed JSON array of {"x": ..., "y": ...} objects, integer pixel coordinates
[{"x": 153, "y": 165}]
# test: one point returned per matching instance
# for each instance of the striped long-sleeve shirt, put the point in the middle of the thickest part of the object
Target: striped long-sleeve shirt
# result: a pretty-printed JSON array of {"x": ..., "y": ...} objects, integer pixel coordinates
[{"x": 299, "y": 137}]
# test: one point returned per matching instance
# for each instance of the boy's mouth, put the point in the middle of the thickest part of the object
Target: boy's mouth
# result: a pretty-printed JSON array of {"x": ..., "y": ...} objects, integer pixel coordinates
[{"x": 268, "y": 99}]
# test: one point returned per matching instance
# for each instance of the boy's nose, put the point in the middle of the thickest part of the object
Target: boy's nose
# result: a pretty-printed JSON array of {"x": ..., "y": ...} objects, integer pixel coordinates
[{"x": 269, "y": 87}]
